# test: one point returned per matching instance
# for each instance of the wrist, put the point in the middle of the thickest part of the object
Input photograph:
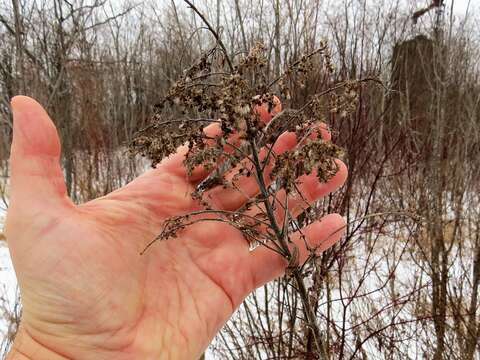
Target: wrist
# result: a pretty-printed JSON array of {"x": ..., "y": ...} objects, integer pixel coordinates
[{"x": 25, "y": 347}]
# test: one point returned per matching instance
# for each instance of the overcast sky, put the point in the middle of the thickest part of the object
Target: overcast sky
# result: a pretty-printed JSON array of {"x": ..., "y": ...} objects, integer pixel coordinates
[
  {"x": 461, "y": 6},
  {"x": 7, "y": 276}
]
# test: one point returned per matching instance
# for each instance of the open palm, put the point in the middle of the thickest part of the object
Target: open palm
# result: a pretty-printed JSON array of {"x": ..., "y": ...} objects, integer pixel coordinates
[{"x": 87, "y": 292}]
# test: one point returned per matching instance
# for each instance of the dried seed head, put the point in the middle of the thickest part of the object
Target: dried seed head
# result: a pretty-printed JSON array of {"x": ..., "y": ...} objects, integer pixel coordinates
[{"x": 241, "y": 102}]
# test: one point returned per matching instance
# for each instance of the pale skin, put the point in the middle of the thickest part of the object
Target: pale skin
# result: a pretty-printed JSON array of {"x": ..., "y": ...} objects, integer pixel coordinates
[{"x": 87, "y": 293}]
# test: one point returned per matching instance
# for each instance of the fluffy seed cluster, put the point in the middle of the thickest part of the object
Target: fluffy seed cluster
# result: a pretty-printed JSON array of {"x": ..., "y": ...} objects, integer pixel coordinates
[{"x": 230, "y": 100}]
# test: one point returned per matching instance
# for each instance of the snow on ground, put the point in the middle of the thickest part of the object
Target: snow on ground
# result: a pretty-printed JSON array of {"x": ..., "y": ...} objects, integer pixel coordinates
[
  {"x": 8, "y": 280},
  {"x": 390, "y": 247},
  {"x": 8, "y": 286}
]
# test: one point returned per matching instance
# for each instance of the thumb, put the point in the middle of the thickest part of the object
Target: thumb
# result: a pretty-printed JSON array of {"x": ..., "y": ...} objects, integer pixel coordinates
[{"x": 36, "y": 176}]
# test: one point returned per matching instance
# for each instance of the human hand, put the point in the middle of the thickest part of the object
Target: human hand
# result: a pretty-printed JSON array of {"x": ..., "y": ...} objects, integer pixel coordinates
[{"x": 86, "y": 291}]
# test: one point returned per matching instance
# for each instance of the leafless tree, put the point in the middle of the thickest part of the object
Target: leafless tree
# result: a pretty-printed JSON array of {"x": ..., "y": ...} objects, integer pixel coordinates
[{"x": 404, "y": 282}]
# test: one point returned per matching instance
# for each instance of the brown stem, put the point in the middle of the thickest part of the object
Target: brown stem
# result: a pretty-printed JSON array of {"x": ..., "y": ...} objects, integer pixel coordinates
[
  {"x": 310, "y": 314},
  {"x": 214, "y": 33}
]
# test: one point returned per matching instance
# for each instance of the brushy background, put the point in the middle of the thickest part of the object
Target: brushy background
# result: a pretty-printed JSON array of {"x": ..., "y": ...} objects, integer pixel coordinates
[{"x": 404, "y": 282}]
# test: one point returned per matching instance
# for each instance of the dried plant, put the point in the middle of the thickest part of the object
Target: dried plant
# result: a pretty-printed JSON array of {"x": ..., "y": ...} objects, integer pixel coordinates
[
  {"x": 99, "y": 83},
  {"x": 226, "y": 112}
]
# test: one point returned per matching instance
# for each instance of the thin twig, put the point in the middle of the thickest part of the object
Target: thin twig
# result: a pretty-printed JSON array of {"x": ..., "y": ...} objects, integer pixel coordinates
[{"x": 214, "y": 33}]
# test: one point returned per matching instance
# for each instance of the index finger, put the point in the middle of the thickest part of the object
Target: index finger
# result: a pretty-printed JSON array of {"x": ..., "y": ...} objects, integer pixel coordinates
[{"x": 175, "y": 165}]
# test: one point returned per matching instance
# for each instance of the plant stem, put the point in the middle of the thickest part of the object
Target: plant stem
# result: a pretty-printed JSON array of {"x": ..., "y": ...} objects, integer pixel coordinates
[
  {"x": 307, "y": 308},
  {"x": 310, "y": 314},
  {"x": 214, "y": 33}
]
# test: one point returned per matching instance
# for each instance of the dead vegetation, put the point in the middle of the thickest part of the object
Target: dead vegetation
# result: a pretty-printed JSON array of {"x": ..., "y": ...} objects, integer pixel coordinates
[{"x": 404, "y": 282}]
